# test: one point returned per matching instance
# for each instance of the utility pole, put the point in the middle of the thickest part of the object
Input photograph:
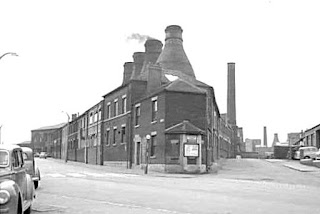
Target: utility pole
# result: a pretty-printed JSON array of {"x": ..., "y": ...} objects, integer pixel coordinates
[
  {"x": 148, "y": 137},
  {"x": 66, "y": 160}
]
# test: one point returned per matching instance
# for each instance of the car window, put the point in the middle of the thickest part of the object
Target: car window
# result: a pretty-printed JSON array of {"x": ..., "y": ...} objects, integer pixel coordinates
[
  {"x": 4, "y": 159},
  {"x": 15, "y": 159},
  {"x": 25, "y": 156},
  {"x": 20, "y": 158}
]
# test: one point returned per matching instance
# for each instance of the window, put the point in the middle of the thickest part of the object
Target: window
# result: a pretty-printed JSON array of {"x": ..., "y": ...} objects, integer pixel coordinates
[
  {"x": 116, "y": 107},
  {"x": 153, "y": 145},
  {"x": 114, "y": 135},
  {"x": 137, "y": 113},
  {"x": 108, "y": 111},
  {"x": 95, "y": 117},
  {"x": 107, "y": 135},
  {"x": 123, "y": 134},
  {"x": 124, "y": 105},
  {"x": 154, "y": 109},
  {"x": 91, "y": 118},
  {"x": 99, "y": 114}
]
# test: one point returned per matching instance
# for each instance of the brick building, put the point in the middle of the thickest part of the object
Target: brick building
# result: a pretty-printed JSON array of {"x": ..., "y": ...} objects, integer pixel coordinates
[
  {"x": 160, "y": 115},
  {"x": 46, "y": 139}
]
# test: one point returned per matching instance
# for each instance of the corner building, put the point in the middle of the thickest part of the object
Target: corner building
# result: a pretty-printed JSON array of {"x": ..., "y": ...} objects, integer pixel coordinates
[{"x": 161, "y": 114}]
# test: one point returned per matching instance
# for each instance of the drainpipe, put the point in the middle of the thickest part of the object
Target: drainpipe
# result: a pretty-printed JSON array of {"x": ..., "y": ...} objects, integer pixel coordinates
[{"x": 102, "y": 133}]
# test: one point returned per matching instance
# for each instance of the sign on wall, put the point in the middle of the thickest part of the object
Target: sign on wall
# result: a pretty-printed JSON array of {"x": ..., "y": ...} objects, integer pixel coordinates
[{"x": 191, "y": 150}]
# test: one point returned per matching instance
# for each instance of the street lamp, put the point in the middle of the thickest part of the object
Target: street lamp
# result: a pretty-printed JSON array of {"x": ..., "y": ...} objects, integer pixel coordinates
[
  {"x": 148, "y": 137},
  {"x": 66, "y": 160},
  {"x": 9, "y": 53}
]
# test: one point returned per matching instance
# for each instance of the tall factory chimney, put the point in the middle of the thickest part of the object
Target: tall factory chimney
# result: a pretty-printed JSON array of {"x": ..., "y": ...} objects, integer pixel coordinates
[
  {"x": 265, "y": 143},
  {"x": 231, "y": 102},
  {"x": 173, "y": 56}
]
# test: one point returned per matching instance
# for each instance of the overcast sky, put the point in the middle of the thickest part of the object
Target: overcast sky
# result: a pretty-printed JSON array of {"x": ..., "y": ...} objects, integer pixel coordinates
[{"x": 71, "y": 53}]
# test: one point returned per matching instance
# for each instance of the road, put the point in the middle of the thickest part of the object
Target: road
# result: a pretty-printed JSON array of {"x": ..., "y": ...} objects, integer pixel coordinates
[{"x": 241, "y": 186}]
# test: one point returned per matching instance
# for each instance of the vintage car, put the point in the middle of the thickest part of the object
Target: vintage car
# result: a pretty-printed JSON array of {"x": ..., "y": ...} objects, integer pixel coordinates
[
  {"x": 31, "y": 165},
  {"x": 43, "y": 155},
  {"x": 16, "y": 187},
  {"x": 307, "y": 152}
]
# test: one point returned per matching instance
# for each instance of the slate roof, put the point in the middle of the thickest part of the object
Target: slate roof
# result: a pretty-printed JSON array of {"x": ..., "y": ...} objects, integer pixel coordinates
[
  {"x": 181, "y": 85},
  {"x": 185, "y": 127},
  {"x": 51, "y": 127}
]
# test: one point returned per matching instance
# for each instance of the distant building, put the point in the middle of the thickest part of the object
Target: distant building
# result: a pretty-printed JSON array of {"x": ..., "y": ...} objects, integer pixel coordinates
[
  {"x": 251, "y": 144},
  {"x": 42, "y": 139}
]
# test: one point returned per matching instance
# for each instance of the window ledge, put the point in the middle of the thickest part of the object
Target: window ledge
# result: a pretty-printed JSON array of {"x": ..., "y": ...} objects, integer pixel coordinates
[
  {"x": 153, "y": 157},
  {"x": 153, "y": 122},
  {"x": 136, "y": 126}
]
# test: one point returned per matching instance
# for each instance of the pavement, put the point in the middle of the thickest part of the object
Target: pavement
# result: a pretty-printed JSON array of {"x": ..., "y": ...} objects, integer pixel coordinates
[
  {"x": 295, "y": 165},
  {"x": 123, "y": 169}
]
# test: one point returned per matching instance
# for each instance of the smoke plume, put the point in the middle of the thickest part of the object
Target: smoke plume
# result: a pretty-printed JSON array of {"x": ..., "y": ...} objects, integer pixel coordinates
[{"x": 138, "y": 37}]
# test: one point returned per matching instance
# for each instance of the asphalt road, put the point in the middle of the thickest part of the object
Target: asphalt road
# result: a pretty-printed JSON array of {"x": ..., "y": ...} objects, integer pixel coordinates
[{"x": 241, "y": 186}]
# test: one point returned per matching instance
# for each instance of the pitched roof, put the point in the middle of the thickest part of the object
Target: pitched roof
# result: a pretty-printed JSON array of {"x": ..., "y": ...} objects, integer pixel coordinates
[
  {"x": 185, "y": 127},
  {"x": 181, "y": 85},
  {"x": 51, "y": 127}
]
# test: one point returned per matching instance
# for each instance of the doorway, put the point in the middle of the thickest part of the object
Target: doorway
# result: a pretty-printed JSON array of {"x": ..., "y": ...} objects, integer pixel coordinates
[{"x": 138, "y": 153}]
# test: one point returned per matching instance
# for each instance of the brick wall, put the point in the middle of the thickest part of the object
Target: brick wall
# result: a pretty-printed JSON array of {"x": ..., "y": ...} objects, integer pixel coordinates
[{"x": 185, "y": 106}]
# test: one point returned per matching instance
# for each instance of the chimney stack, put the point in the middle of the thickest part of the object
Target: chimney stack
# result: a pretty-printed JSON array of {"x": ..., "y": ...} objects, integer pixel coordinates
[
  {"x": 153, "y": 48},
  {"x": 154, "y": 77},
  {"x": 127, "y": 72},
  {"x": 265, "y": 143},
  {"x": 231, "y": 102},
  {"x": 138, "y": 59},
  {"x": 173, "y": 56}
]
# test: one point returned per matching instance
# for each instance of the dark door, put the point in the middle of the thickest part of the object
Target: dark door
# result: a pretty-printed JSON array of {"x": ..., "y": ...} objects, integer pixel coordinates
[{"x": 138, "y": 153}]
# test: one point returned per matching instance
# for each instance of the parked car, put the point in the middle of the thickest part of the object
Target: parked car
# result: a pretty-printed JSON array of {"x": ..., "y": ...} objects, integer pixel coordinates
[
  {"x": 16, "y": 187},
  {"x": 36, "y": 155},
  {"x": 307, "y": 152},
  {"x": 43, "y": 155},
  {"x": 31, "y": 165}
]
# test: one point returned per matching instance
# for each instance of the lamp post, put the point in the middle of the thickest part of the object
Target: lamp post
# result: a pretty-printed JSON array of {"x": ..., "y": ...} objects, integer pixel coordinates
[
  {"x": 147, "y": 153},
  {"x": 9, "y": 53},
  {"x": 66, "y": 160}
]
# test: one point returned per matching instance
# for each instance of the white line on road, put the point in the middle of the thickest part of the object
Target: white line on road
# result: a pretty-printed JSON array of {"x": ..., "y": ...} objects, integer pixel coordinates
[
  {"x": 78, "y": 175},
  {"x": 55, "y": 175}
]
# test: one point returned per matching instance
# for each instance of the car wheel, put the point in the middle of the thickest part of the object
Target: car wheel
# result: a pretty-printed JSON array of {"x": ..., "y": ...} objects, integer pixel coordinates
[
  {"x": 36, "y": 183},
  {"x": 28, "y": 211},
  {"x": 306, "y": 157}
]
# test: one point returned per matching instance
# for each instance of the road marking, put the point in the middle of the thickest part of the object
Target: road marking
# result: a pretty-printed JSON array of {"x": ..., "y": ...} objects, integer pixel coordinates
[
  {"x": 90, "y": 174},
  {"x": 55, "y": 175},
  {"x": 76, "y": 175},
  {"x": 120, "y": 175}
]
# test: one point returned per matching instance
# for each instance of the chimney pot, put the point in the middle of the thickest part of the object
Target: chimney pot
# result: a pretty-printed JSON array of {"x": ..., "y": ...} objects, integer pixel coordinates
[
  {"x": 174, "y": 32},
  {"x": 153, "y": 46},
  {"x": 138, "y": 57}
]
